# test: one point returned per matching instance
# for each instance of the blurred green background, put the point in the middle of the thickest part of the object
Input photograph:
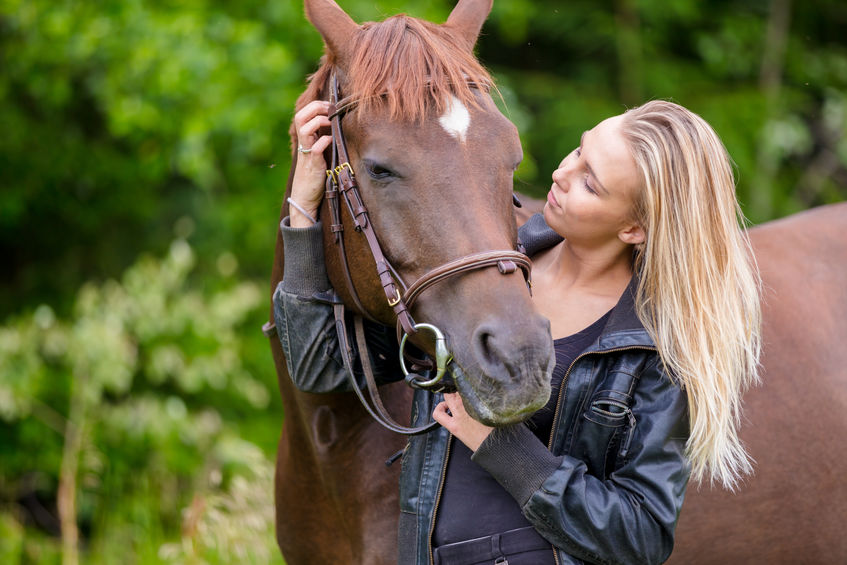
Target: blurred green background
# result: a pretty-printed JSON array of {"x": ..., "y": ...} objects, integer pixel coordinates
[{"x": 144, "y": 153}]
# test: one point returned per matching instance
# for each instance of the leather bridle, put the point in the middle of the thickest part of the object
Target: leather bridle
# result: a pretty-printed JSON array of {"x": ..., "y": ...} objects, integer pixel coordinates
[{"x": 341, "y": 183}]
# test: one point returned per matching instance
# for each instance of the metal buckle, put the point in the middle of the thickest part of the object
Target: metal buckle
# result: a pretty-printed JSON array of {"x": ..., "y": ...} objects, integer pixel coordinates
[
  {"x": 396, "y": 300},
  {"x": 342, "y": 166},
  {"x": 442, "y": 356}
]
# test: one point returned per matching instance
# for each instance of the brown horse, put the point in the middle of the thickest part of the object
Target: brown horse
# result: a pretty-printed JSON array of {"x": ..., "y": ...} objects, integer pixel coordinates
[
  {"x": 337, "y": 502},
  {"x": 434, "y": 159}
]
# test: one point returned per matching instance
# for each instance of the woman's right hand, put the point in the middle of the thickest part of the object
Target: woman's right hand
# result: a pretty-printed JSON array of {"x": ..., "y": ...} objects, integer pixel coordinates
[{"x": 307, "y": 189}]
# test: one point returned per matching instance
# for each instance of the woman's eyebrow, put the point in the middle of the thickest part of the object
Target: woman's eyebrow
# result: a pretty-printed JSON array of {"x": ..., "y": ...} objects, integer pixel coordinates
[{"x": 588, "y": 165}]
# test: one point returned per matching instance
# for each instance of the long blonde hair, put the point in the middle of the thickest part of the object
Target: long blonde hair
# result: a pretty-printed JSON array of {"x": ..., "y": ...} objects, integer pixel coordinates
[{"x": 699, "y": 287}]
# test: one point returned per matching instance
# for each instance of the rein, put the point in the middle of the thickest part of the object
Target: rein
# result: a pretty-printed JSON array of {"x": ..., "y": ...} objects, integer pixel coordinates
[{"x": 341, "y": 183}]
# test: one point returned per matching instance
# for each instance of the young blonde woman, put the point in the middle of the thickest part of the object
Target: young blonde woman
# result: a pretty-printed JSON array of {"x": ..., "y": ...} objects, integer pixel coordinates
[{"x": 647, "y": 280}]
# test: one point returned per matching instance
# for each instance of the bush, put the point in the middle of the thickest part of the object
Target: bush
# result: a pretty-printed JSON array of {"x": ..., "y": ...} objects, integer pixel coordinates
[{"x": 116, "y": 421}]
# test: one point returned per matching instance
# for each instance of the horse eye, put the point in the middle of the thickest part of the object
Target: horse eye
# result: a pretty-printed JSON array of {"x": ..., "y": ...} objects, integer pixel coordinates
[{"x": 377, "y": 171}]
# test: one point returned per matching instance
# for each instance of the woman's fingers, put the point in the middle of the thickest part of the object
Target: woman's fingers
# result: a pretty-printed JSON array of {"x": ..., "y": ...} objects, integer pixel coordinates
[
  {"x": 309, "y": 120},
  {"x": 320, "y": 146},
  {"x": 452, "y": 415},
  {"x": 454, "y": 403},
  {"x": 309, "y": 111},
  {"x": 450, "y": 411},
  {"x": 308, "y": 131},
  {"x": 442, "y": 416},
  {"x": 307, "y": 188}
]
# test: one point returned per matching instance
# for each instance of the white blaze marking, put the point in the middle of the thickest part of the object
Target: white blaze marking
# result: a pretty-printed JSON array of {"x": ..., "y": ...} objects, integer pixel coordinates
[{"x": 456, "y": 119}]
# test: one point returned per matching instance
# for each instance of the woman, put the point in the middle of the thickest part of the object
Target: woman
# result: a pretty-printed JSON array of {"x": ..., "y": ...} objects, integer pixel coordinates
[{"x": 648, "y": 284}]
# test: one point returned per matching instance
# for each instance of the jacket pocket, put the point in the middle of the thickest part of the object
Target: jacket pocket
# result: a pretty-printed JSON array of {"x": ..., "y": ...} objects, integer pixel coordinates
[
  {"x": 605, "y": 437},
  {"x": 609, "y": 408},
  {"x": 608, "y": 412}
]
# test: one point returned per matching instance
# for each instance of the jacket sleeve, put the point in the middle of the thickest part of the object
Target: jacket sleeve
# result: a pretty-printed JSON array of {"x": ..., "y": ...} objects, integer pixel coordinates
[
  {"x": 628, "y": 518},
  {"x": 306, "y": 324}
]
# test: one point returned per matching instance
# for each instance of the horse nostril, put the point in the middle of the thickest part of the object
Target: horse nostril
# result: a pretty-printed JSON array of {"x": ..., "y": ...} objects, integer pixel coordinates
[
  {"x": 498, "y": 352},
  {"x": 514, "y": 351},
  {"x": 487, "y": 347}
]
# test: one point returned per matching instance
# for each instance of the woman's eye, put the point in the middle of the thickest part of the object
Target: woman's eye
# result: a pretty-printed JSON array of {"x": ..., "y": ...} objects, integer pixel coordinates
[{"x": 588, "y": 186}]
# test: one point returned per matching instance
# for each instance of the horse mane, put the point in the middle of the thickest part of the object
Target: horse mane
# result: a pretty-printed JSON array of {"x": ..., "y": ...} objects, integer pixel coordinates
[{"x": 407, "y": 65}]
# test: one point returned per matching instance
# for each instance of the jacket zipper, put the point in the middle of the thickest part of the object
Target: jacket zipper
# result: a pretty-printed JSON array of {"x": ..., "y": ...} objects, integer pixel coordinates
[
  {"x": 562, "y": 395},
  {"x": 438, "y": 498},
  {"x": 632, "y": 424}
]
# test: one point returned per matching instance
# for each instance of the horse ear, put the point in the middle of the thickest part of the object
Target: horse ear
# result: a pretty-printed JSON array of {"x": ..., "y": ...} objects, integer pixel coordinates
[
  {"x": 467, "y": 18},
  {"x": 334, "y": 25}
]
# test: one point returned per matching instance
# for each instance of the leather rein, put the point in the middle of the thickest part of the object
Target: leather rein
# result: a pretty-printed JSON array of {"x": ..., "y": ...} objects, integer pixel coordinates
[{"x": 341, "y": 184}]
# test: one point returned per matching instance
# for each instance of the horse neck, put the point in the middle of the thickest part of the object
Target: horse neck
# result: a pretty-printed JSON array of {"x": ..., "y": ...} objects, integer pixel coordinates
[{"x": 300, "y": 408}]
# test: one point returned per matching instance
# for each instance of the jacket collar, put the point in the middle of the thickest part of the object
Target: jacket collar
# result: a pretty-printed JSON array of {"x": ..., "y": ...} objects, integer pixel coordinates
[{"x": 624, "y": 328}]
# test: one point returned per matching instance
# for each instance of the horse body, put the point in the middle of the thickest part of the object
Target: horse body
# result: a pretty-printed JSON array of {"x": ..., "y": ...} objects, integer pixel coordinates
[{"x": 792, "y": 509}]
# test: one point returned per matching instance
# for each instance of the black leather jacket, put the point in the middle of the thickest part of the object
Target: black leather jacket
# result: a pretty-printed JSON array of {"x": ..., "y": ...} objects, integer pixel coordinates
[{"x": 609, "y": 486}]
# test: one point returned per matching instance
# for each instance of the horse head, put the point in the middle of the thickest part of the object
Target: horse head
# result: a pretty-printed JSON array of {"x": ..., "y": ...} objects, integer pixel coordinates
[{"x": 434, "y": 160}]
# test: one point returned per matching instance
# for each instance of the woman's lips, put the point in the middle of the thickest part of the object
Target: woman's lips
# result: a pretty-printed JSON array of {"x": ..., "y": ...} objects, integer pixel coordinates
[{"x": 552, "y": 199}]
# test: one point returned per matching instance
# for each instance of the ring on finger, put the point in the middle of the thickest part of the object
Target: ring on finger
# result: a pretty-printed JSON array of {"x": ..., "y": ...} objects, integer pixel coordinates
[{"x": 303, "y": 150}]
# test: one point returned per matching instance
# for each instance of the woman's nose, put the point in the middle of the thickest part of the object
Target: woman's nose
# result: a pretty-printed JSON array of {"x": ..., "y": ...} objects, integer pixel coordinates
[{"x": 560, "y": 178}]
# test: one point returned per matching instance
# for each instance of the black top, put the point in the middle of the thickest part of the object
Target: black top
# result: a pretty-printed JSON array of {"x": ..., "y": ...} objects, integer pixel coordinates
[{"x": 473, "y": 504}]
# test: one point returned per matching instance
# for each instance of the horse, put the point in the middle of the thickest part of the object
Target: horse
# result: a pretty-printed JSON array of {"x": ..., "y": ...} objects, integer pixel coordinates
[
  {"x": 434, "y": 161},
  {"x": 337, "y": 501}
]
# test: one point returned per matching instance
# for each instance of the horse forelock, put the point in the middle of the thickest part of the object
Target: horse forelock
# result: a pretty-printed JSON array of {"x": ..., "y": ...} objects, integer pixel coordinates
[{"x": 408, "y": 67}]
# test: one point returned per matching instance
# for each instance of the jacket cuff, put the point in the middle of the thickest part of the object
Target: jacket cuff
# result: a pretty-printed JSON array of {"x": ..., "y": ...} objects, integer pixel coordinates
[
  {"x": 305, "y": 271},
  {"x": 517, "y": 459}
]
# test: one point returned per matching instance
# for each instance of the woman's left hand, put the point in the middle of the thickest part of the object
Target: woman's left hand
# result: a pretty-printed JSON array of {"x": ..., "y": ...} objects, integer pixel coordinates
[
  {"x": 451, "y": 414},
  {"x": 307, "y": 188}
]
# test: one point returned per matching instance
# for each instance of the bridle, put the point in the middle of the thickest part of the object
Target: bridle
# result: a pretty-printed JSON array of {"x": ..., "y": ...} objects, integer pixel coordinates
[{"x": 341, "y": 184}]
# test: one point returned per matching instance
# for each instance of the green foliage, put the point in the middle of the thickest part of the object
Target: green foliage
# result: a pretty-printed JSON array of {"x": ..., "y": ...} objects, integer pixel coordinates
[
  {"x": 147, "y": 370},
  {"x": 142, "y": 125},
  {"x": 775, "y": 97},
  {"x": 233, "y": 526},
  {"x": 121, "y": 117}
]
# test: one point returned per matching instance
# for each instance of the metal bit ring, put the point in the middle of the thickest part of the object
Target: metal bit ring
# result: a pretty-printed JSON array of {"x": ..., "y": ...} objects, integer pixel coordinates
[{"x": 442, "y": 356}]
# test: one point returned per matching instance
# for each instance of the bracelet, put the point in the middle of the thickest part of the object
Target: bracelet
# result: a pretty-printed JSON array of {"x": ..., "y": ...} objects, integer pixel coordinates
[{"x": 302, "y": 210}]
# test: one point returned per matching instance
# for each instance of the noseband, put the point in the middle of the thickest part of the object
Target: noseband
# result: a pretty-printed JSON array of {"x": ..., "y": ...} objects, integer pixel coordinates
[{"x": 341, "y": 183}]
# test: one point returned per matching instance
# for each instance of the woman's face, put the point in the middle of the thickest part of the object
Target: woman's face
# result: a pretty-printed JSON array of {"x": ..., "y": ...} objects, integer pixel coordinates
[{"x": 591, "y": 200}]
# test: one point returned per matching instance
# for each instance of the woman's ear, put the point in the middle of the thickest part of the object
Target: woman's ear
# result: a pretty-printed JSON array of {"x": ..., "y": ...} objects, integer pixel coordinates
[{"x": 632, "y": 234}]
